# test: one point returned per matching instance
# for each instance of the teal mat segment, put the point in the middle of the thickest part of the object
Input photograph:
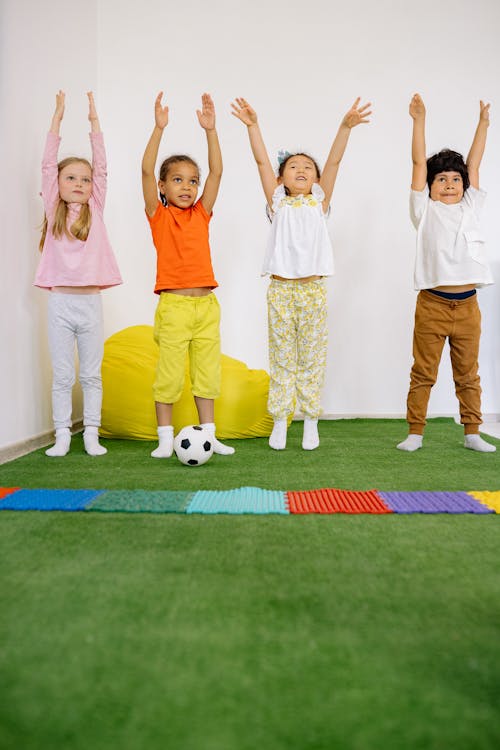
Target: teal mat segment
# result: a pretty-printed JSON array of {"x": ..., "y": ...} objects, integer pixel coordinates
[
  {"x": 238, "y": 501},
  {"x": 141, "y": 501}
]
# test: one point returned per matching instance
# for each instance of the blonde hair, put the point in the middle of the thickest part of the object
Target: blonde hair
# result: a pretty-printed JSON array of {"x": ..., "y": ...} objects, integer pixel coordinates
[{"x": 81, "y": 227}]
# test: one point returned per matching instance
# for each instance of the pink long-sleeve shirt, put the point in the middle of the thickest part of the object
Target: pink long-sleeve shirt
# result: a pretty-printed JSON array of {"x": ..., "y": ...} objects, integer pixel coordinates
[{"x": 68, "y": 261}]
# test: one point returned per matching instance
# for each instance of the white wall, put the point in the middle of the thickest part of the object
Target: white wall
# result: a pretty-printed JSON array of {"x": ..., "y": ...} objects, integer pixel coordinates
[{"x": 301, "y": 70}]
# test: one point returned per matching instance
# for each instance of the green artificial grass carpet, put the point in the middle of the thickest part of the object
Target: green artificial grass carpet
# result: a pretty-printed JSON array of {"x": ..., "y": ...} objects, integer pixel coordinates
[
  {"x": 357, "y": 454},
  {"x": 288, "y": 633},
  {"x": 124, "y": 631}
]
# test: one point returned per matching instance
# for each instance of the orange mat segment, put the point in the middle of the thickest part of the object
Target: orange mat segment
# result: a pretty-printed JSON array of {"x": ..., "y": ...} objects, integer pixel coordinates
[
  {"x": 336, "y": 501},
  {"x": 4, "y": 491}
]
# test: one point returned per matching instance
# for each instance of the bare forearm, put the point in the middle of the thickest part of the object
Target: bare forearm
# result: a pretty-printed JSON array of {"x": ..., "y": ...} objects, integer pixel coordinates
[
  {"x": 339, "y": 146},
  {"x": 151, "y": 152},
  {"x": 214, "y": 153},
  {"x": 95, "y": 126},
  {"x": 418, "y": 156},
  {"x": 478, "y": 145},
  {"x": 55, "y": 125},
  {"x": 257, "y": 145}
]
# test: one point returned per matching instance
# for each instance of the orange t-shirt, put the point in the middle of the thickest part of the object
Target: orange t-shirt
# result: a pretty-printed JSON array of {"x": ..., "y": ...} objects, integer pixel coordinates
[{"x": 180, "y": 236}]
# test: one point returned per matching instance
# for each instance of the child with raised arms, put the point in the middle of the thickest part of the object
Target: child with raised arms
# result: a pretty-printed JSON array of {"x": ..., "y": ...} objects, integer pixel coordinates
[
  {"x": 298, "y": 258},
  {"x": 188, "y": 315},
  {"x": 76, "y": 263},
  {"x": 445, "y": 204}
]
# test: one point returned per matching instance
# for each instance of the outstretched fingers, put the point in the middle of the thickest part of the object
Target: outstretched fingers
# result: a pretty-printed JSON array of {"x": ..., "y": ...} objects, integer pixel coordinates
[
  {"x": 161, "y": 112},
  {"x": 206, "y": 116}
]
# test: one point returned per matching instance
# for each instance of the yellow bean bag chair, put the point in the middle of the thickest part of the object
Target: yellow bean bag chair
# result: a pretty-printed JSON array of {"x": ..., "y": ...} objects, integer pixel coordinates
[{"x": 128, "y": 372}]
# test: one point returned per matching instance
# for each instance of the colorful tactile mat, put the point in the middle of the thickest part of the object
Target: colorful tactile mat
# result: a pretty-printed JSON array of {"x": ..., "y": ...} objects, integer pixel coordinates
[{"x": 249, "y": 500}]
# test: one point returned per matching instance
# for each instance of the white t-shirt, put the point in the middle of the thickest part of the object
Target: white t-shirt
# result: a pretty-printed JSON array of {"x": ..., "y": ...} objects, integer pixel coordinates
[
  {"x": 450, "y": 246},
  {"x": 299, "y": 244}
]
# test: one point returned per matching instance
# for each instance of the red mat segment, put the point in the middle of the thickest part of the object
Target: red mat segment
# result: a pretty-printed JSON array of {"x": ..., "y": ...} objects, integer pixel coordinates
[{"x": 336, "y": 501}]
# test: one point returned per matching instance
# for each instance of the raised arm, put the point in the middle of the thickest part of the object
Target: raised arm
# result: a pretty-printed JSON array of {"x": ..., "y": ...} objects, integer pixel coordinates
[
  {"x": 355, "y": 116},
  {"x": 206, "y": 118},
  {"x": 99, "y": 167},
  {"x": 50, "y": 186},
  {"x": 418, "y": 156},
  {"x": 149, "y": 185},
  {"x": 244, "y": 112},
  {"x": 478, "y": 144},
  {"x": 58, "y": 113},
  {"x": 93, "y": 118}
]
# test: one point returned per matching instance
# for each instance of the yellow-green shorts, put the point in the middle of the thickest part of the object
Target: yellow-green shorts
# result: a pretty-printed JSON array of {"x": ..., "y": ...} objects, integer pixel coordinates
[{"x": 187, "y": 324}]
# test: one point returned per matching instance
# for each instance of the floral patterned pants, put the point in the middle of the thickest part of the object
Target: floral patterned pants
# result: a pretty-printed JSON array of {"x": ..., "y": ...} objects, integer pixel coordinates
[{"x": 297, "y": 321}]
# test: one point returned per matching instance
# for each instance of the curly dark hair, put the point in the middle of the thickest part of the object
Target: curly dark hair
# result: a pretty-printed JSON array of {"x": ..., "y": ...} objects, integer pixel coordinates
[{"x": 447, "y": 161}]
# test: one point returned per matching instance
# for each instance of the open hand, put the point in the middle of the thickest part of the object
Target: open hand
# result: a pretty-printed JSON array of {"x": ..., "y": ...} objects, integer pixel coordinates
[
  {"x": 206, "y": 116},
  {"x": 357, "y": 114},
  {"x": 417, "y": 107},
  {"x": 161, "y": 113},
  {"x": 243, "y": 111}
]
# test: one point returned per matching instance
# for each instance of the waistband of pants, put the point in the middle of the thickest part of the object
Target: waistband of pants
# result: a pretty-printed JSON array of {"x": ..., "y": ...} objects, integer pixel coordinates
[
  {"x": 188, "y": 297},
  {"x": 320, "y": 281},
  {"x": 452, "y": 295}
]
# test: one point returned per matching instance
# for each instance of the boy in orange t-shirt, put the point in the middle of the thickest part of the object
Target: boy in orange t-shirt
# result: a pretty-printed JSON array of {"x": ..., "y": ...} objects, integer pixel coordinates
[{"x": 188, "y": 314}]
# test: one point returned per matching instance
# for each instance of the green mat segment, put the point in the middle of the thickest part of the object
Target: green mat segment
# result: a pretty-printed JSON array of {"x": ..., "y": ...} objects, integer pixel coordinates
[
  {"x": 357, "y": 454},
  {"x": 141, "y": 501},
  {"x": 121, "y": 632}
]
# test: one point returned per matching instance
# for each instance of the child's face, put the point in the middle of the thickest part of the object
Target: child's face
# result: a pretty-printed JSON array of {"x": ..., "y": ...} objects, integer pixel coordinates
[
  {"x": 75, "y": 183},
  {"x": 299, "y": 175},
  {"x": 447, "y": 187},
  {"x": 181, "y": 184}
]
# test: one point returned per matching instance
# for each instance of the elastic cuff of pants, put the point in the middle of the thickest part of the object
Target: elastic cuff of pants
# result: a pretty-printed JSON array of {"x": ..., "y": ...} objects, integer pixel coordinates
[
  {"x": 415, "y": 429},
  {"x": 471, "y": 429}
]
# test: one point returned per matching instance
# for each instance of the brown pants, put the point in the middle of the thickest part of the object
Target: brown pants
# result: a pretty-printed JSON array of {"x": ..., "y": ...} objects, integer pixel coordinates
[{"x": 435, "y": 320}]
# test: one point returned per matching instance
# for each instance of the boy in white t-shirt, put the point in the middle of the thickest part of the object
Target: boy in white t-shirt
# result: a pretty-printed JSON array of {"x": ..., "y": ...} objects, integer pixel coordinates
[{"x": 450, "y": 263}]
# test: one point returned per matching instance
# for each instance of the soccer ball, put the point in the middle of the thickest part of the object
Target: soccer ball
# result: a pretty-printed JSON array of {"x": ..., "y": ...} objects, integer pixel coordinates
[{"x": 193, "y": 446}]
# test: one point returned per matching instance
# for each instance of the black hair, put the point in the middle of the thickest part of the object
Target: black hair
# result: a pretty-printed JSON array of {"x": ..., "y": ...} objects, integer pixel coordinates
[
  {"x": 167, "y": 163},
  {"x": 447, "y": 161}
]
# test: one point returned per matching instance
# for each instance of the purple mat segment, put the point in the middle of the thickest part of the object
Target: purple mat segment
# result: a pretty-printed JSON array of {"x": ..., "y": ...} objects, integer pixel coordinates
[
  {"x": 432, "y": 502},
  {"x": 49, "y": 500}
]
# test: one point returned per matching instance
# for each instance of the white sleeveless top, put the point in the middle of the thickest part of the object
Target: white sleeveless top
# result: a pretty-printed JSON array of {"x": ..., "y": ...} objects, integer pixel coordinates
[{"x": 299, "y": 244}]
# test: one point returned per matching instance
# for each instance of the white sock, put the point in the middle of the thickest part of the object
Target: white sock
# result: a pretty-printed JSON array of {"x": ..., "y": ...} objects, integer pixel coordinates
[
  {"x": 310, "y": 439},
  {"x": 476, "y": 443},
  {"x": 220, "y": 448},
  {"x": 61, "y": 446},
  {"x": 165, "y": 442},
  {"x": 277, "y": 438},
  {"x": 412, "y": 443},
  {"x": 91, "y": 442}
]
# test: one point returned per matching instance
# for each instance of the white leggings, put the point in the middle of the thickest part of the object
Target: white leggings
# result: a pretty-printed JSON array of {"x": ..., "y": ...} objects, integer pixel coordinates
[{"x": 76, "y": 317}]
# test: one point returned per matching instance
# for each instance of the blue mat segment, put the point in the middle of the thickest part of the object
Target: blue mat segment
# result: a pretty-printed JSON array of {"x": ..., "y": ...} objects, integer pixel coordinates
[
  {"x": 49, "y": 500},
  {"x": 238, "y": 501},
  {"x": 433, "y": 502}
]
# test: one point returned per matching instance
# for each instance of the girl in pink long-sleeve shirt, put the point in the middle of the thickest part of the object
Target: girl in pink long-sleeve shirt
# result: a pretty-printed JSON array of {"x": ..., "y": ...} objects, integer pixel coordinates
[{"x": 77, "y": 262}]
